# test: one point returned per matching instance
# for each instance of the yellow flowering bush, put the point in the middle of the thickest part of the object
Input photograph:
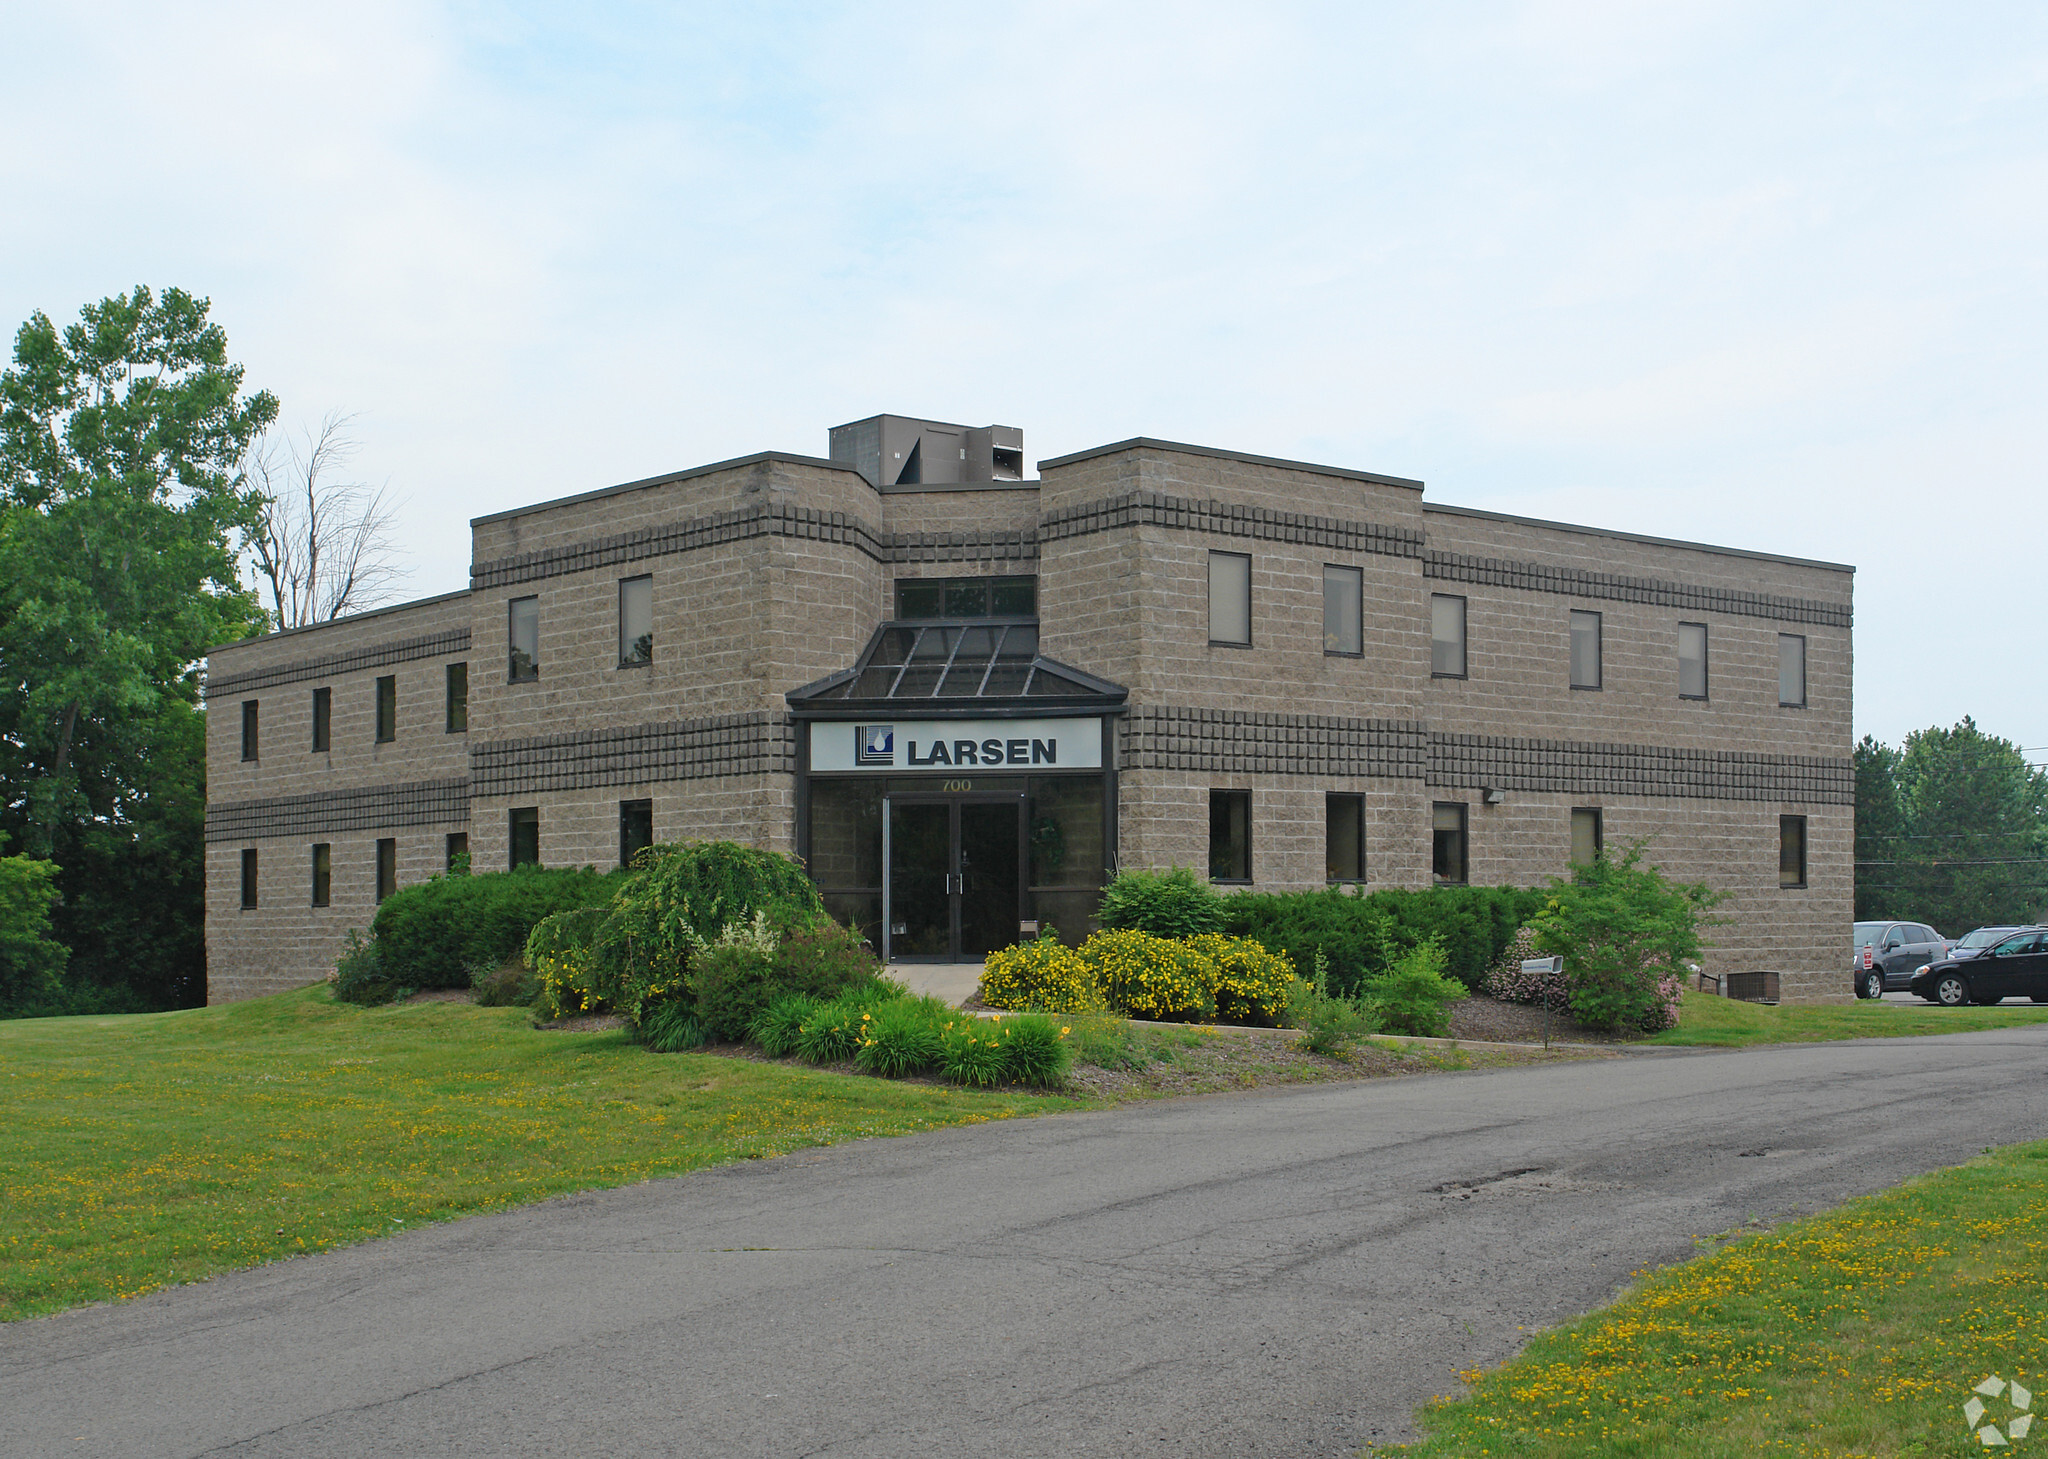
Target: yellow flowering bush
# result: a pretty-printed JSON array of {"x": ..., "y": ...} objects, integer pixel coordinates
[
  {"x": 1040, "y": 974},
  {"x": 1252, "y": 984},
  {"x": 559, "y": 952},
  {"x": 1152, "y": 977}
]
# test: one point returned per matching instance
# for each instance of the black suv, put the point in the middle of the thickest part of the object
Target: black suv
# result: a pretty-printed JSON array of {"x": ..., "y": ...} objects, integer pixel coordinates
[
  {"x": 1887, "y": 954},
  {"x": 2013, "y": 967}
]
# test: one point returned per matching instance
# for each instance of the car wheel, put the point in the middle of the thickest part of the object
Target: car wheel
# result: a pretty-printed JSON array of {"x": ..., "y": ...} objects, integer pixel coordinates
[
  {"x": 1872, "y": 986},
  {"x": 1951, "y": 991}
]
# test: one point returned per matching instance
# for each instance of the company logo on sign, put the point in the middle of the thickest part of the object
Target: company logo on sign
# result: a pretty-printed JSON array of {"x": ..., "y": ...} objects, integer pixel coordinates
[
  {"x": 986, "y": 752},
  {"x": 874, "y": 744}
]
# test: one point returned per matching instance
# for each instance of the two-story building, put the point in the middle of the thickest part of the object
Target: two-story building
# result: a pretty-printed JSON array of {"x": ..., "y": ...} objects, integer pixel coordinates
[{"x": 965, "y": 698}]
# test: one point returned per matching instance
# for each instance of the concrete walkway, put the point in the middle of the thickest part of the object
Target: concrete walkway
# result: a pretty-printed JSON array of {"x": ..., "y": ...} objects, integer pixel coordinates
[{"x": 954, "y": 982}]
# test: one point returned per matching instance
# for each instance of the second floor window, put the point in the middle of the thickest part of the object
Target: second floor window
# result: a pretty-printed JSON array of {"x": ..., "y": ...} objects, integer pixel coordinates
[
  {"x": 1792, "y": 669},
  {"x": 1692, "y": 661},
  {"x": 636, "y": 621},
  {"x": 1230, "y": 598},
  {"x": 1343, "y": 610},
  {"x": 1585, "y": 650},
  {"x": 458, "y": 698},
  {"x": 249, "y": 729},
  {"x": 387, "y": 709},
  {"x": 1446, "y": 636},
  {"x": 323, "y": 719},
  {"x": 523, "y": 629}
]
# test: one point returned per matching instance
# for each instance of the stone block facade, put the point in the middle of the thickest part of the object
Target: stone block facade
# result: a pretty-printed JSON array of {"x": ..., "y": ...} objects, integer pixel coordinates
[{"x": 773, "y": 572}]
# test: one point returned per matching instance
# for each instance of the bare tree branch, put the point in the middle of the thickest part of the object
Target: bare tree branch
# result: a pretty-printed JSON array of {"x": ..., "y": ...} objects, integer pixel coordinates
[{"x": 323, "y": 546}]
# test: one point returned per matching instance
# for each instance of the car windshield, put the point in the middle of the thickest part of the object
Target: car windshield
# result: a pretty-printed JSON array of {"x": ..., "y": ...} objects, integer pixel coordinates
[
  {"x": 1867, "y": 932},
  {"x": 1982, "y": 937}
]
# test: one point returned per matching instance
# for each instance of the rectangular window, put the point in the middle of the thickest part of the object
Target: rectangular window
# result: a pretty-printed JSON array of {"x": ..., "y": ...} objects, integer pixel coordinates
[
  {"x": 1446, "y": 636},
  {"x": 323, "y": 719},
  {"x": 1792, "y": 669},
  {"x": 458, "y": 851},
  {"x": 1585, "y": 835},
  {"x": 1791, "y": 851},
  {"x": 523, "y": 629},
  {"x": 526, "y": 836},
  {"x": 636, "y": 621},
  {"x": 458, "y": 699},
  {"x": 636, "y": 829},
  {"x": 249, "y": 729},
  {"x": 1692, "y": 661},
  {"x": 1009, "y": 597},
  {"x": 387, "y": 868},
  {"x": 1230, "y": 598},
  {"x": 1343, "y": 610},
  {"x": 248, "y": 878},
  {"x": 1230, "y": 835},
  {"x": 387, "y": 709},
  {"x": 1344, "y": 838},
  {"x": 1585, "y": 649},
  {"x": 323, "y": 873},
  {"x": 1447, "y": 843}
]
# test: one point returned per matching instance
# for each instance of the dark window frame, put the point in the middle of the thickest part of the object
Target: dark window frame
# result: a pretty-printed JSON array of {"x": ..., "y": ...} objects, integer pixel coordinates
[
  {"x": 387, "y": 866},
  {"x": 1785, "y": 824},
  {"x": 1357, "y": 625},
  {"x": 323, "y": 873},
  {"x": 1706, "y": 662},
  {"x": 944, "y": 586},
  {"x": 1330, "y": 802},
  {"x": 1224, "y": 797},
  {"x": 1599, "y": 650},
  {"x": 249, "y": 879},
  {"x": 513, "y": 823},
  {"x": 456, "y": 844},
  {"x": 252, "y": 729},
  {"x": 1805, "y": 689},
  {"x": 323, "y": 720},
  {"x": 629, "y": 844},
  {"x": 387, "y": 709},
  {"x": 515, "y": 672},
  {"x": 1464, "y": 834},
  {"x": 624, "y": 584},
  {"x": 1599, "y": 833},
  {"x": 455, "y": 691},
  {"x": 1464, "y": 668},
  {"x": 1209, "y": 599}
]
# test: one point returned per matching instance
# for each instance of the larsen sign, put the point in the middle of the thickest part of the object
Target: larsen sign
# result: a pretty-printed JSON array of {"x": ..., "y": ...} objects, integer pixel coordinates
[{"x": 949, "y": 745}]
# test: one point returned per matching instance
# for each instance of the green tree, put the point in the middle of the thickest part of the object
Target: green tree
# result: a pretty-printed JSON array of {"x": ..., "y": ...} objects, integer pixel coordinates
[
  {"x": 1626, "y": 935},
  {"x": 1880, "y": 828},
  {"x": 29, "y": 961},
  {"x": 1976, "y": 846}
]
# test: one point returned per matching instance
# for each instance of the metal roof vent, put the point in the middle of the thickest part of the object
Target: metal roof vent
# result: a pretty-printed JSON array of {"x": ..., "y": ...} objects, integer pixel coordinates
[{"x": 898, "y": 451}]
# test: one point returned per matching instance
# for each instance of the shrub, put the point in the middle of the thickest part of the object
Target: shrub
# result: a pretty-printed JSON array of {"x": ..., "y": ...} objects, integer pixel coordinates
[
  {"x": 31, "y": 964},
  {"x": 903, "y": 1036},
  {"x": 359, "y": 975},
  {"x": 1506, "y": 981},
  {"x": 1174, "y": 903},
  {"x": 777, "y": 1027},
  {"x": 1040, "y": 974},
  {"x": 559, "y": 952},
  {"x": 834, "y": 1031},
  {"x": 1252, "y": 985},
  {"x": 1330, "y": 1025},
  {"x": 1413, "y": 996},
  {"x": 671, "y": 1028},
  {"x": 1036, "y": 1051},
  {"x": 972, "y": 1052},
  {"x": 1152, "y": 977},
  {"x": 731, "y": 983},
  {"x": 1362, "y": 935},
  {"x": 1626, "y": 935},
  {"x": 430, "y": 934},
  {"x": 509, "y": 985}
]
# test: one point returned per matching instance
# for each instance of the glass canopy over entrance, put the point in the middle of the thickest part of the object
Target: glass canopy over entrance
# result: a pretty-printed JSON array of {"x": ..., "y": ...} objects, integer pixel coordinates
[{"x": 985, "y": 659}]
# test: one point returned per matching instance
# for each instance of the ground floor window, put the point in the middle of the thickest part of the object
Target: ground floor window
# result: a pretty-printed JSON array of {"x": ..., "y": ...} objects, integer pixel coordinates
[
  {"x": 387, "y": 868},
  {"x": 1585, "y": 835},
  {"x": 458, "y": 846},
  {"x": 636, "y": 829},
  {"x": 323, "y": 873},
  {"x": 1791, "y": 851},
  {"x": 526, "y": 836},
  {"x": 1447, "y": 843},
  {"x": 1344, "y": 838},
  {"x": 1230, "y": 835}
]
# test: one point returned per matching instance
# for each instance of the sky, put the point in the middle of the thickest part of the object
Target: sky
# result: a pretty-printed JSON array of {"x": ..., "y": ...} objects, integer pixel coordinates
[{"x": 1769, "y": 276}]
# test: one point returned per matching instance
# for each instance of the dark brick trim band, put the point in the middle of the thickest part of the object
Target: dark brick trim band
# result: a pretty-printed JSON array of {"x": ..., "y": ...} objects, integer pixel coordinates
[
  {"x": 773, "y": 519},
  {"x": 398, "y": 651},
  {"x": 1577, "y": 768},
  {"x": 1222, "y": 519},
  {"x": 1229, "y": 741},
  {"x": 1535, "y": 577},
  {"x": 372, "y": 808},
  {"x": 755, "y": 743}
]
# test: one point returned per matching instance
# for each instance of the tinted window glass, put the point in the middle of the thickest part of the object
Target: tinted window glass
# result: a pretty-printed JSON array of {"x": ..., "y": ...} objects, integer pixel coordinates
[
  {"x": 1230, "y": 598},
  {"x": 1344, "y": 838},
  {"x": 1447, "y": 636},
  {"x": 1230, "y": 835},
  {"x": 524, "y": 629},
  {"x": 1791, "y": 668},
  {"x": 1585, "y": 650},
  {"x": 1447, "y": 843},
  {"x": 1692, "y": 660},
  {"x": 636, "y": 621},
  {"x": 1343, "y": 610}
]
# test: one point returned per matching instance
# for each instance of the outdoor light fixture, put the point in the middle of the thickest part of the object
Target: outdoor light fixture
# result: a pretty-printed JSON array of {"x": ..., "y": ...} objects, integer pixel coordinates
[{"x": 1492, "y": 796}]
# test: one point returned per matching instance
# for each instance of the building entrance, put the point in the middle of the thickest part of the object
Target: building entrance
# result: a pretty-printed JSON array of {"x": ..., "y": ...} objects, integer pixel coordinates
[{"x": 952, "y": 875}]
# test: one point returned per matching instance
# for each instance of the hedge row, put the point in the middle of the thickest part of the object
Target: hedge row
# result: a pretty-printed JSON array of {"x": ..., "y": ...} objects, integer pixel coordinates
[
  {"x": 433, "y": 934},
  {"x": 1364, "y": 935}
]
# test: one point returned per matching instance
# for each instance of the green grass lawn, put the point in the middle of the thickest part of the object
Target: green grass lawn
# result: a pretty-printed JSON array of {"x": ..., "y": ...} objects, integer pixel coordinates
[
  {"x": 148, "y": 1150},
  {"x": 1858, "y": 1332},
  {"x": 1727, "y": 1023}
]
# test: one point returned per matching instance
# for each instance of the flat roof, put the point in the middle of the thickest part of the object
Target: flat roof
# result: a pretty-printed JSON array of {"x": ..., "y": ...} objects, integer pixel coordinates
[
  {"x": 665, "y": 479},
  {"x": 1182, "y": 447},
  {"x": 1635, "y": 537},
  {"x": 332, "y": 622}
]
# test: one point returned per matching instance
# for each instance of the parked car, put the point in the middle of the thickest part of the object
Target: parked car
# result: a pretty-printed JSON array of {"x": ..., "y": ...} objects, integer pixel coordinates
[
  {"x": 1887, "y": 954},
  {"x": 1973, "y": 942},
  {"x": 2013, "y": 967}
]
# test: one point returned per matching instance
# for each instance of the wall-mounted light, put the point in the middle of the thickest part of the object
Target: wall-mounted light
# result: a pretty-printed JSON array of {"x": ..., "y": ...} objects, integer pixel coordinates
[{"x": 1492, "y": 796}]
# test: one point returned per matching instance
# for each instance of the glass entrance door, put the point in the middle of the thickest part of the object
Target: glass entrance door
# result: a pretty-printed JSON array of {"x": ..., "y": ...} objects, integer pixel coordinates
[{"x": 955, "y": 876}]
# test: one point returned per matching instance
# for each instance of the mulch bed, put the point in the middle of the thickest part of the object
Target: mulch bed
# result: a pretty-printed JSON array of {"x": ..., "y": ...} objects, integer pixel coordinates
[{"x": 1480, "y": 1017}]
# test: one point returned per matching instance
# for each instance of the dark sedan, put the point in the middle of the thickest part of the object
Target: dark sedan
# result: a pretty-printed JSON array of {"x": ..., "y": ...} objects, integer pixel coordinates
[
  {"x": 2013, "y": 967},
  {"x": 1975, "y": 941}
]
